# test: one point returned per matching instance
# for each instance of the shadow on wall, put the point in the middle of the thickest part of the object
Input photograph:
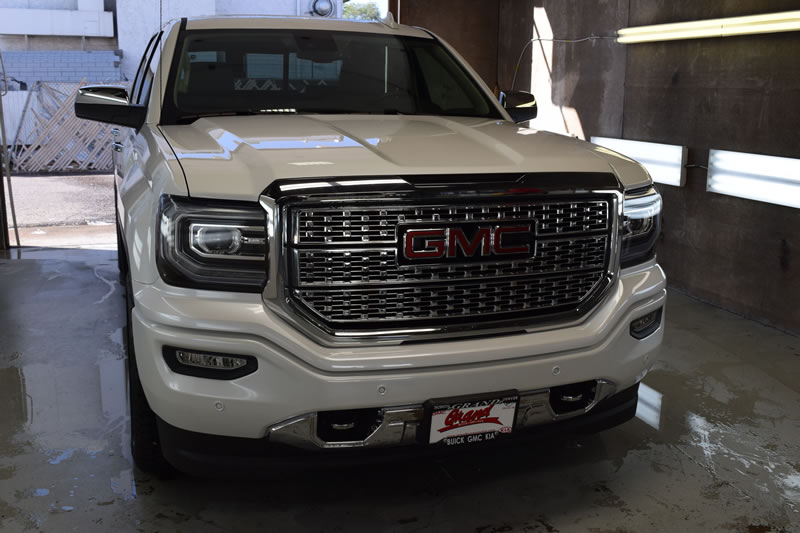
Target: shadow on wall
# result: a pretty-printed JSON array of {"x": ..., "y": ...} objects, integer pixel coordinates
[{"x": 578, "y": 85}]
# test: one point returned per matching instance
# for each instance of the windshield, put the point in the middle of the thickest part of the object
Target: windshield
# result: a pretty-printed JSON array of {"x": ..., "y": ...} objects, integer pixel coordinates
[{"x": 292, "y": 71}]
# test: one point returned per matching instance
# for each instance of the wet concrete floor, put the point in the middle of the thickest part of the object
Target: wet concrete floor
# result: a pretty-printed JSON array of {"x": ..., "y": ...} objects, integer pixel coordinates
[{"x": 715, "y": 445}]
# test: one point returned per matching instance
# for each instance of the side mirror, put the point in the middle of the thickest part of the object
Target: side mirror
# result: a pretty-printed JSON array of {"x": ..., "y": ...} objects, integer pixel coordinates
[
  {"x": 109, "y": 104},
  {"x": 519, "y": 104}
]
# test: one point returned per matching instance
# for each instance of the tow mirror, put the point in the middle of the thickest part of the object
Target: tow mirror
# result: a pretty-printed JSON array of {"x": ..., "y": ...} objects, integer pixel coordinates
[
  {"x": 109, "y": 104},
  {"x": 519, "y": 104}
]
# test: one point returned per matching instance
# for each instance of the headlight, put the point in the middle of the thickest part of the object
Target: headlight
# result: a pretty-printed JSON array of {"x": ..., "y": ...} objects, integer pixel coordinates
[
  {"x": 209, "y": 244},
  {"x": 641, "y": 226}
]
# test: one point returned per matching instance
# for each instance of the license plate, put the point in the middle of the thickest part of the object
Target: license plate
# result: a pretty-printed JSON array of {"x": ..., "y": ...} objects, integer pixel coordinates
[{"x": 470, "y": 420}]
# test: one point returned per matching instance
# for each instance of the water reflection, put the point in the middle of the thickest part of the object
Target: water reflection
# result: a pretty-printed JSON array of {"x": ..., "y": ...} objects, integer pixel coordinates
[
  {"x": 15, "y": 403},
  {"x": 648, "y": 409},
  {"x": 64, "y": 410}
]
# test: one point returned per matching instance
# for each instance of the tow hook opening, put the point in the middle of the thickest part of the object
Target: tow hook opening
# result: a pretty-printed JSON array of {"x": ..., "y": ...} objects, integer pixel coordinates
[
  {"x": 574, "y": 397},
  {"x": 347, "y": 425}
]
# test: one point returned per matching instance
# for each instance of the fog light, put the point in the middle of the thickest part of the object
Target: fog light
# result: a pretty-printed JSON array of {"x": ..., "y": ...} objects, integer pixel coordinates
[
  {"x": 207, "y": 360},
  {"x": 646, "y": 325},
  {"x": 208, "y": 364}
]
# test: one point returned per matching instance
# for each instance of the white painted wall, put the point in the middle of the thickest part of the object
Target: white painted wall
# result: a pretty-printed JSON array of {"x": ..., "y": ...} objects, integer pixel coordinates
[
  {"x": 13, "y": 105},
  {"x": 42, "y": 4},
  {"x": 90, "y": 21},
  {"x": 137, "y": 21},
  {"x": 252, "y": 7}
]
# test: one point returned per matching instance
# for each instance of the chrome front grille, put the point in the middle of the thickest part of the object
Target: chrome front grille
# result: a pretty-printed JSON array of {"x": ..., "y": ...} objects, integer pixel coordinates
[
  {"x": 370, "y": 266},
  {"x": 476, "y": 299},
  {"x": 344, "y": 273},
  {"x": 358, "y": 225}
]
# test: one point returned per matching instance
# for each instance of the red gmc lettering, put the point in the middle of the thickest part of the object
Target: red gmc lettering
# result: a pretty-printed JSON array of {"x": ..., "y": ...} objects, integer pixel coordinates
[
  {"x": 433, "y": 247},
  {"x": 457, "y": 237},
  {"x": 498, "y": 240},
  {"x": 436, "y": 243}
]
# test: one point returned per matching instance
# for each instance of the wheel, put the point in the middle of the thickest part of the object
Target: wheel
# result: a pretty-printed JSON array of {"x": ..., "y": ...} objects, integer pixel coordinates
[{"x": 145, "y": 444}]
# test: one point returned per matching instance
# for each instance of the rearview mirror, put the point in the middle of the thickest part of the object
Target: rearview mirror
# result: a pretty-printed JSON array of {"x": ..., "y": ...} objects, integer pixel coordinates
[
  {"x": 519, "y": 104},
  {"x": 109, "y": 104}
]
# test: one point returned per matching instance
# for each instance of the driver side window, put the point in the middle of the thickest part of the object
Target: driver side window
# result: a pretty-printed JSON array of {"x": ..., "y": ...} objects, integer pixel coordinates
[{"x": 140, "y": 81}]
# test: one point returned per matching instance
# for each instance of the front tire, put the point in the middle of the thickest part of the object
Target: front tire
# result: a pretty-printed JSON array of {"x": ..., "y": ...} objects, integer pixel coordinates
[{"x": 145, "y": 444}]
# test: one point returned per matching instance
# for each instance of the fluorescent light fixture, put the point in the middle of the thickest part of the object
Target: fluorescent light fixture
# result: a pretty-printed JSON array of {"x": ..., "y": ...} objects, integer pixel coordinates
[
  {"x": 666, "y": 163},
  {"x": 765, "y": 178},
  {"x": 725, "y": 27}
]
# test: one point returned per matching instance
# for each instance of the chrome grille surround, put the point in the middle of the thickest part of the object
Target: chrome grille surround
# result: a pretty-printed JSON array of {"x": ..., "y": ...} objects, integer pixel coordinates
[{"x": 345, "y": 286}]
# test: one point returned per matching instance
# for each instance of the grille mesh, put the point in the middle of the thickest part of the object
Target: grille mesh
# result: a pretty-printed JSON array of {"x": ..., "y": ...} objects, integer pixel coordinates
[
  {"x": 352, "y": 267},
  {"x": 343, "y": 263},
  {"x": 377, "y": 225},
  {"x": 449, "y": 301}
]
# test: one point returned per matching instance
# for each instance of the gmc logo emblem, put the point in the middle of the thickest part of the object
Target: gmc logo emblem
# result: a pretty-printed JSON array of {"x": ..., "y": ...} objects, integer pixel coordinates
[{"x": 467, "y": 242}]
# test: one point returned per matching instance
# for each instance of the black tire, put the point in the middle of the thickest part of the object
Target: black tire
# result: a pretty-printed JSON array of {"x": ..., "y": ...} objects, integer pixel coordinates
[{"x": 145, "y": 444}]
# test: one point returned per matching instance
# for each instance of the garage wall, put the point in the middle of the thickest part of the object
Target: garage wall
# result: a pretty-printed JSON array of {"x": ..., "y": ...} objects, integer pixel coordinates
[
  {"x": 564, "y": 92},
  {"x": 739, "y": 94},
  {"x": 469, "y": 25}
]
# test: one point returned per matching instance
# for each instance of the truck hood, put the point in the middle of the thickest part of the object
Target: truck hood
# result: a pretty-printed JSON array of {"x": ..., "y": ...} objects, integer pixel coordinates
[{"x": 238, "y": 157}]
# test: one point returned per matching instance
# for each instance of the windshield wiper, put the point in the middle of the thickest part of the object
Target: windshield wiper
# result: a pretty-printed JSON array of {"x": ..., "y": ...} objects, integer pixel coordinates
[
  {"x": 310, "y": 111},
  {"x": 240, "y": 112},
  {"x": 328, "y": 111}
]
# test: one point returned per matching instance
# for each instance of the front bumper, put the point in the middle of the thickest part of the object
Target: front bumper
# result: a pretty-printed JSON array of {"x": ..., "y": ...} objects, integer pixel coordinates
[
  {"x": 212, "y": 455},
  {"x": 297, "y": 378}
]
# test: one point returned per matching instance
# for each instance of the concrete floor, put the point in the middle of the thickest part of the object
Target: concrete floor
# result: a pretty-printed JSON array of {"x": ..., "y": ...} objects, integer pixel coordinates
[
  {"x": 63, "y": 210},
  {"x": 63, "y": 200},
  {"x": 715, "y": 447}
]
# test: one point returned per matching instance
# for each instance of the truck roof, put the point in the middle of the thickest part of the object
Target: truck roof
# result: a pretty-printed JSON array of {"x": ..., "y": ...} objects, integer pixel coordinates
[{"x": 302, "y": 23}]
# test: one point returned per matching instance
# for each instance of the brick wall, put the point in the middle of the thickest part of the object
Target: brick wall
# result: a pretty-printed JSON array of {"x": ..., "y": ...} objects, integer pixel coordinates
[{"x": 62, "y": 65}]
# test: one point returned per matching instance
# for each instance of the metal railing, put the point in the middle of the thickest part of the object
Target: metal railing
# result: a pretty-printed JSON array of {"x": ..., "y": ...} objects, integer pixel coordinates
[{"x": 5, "y": 168}]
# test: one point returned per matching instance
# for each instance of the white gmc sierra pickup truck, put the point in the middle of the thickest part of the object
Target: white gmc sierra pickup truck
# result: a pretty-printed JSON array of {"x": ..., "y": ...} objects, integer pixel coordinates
[{"x": 337, "y": 242}]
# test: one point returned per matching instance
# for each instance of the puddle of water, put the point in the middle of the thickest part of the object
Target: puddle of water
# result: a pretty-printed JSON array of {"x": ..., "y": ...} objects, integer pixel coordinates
[
  {"x": 738, "y": 454},
  {"x": 16, "y": 409},
  {"x": 66, "y": 454}
]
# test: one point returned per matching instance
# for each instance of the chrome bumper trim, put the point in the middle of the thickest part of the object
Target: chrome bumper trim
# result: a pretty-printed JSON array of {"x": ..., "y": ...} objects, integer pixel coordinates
[{"x": 400, "y": 425}]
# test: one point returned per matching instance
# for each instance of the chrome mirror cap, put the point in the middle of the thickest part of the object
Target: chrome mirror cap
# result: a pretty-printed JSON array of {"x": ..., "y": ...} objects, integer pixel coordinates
[
  {"x": 109, "y": 104},
  {"x": 103, "y": 94}
]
